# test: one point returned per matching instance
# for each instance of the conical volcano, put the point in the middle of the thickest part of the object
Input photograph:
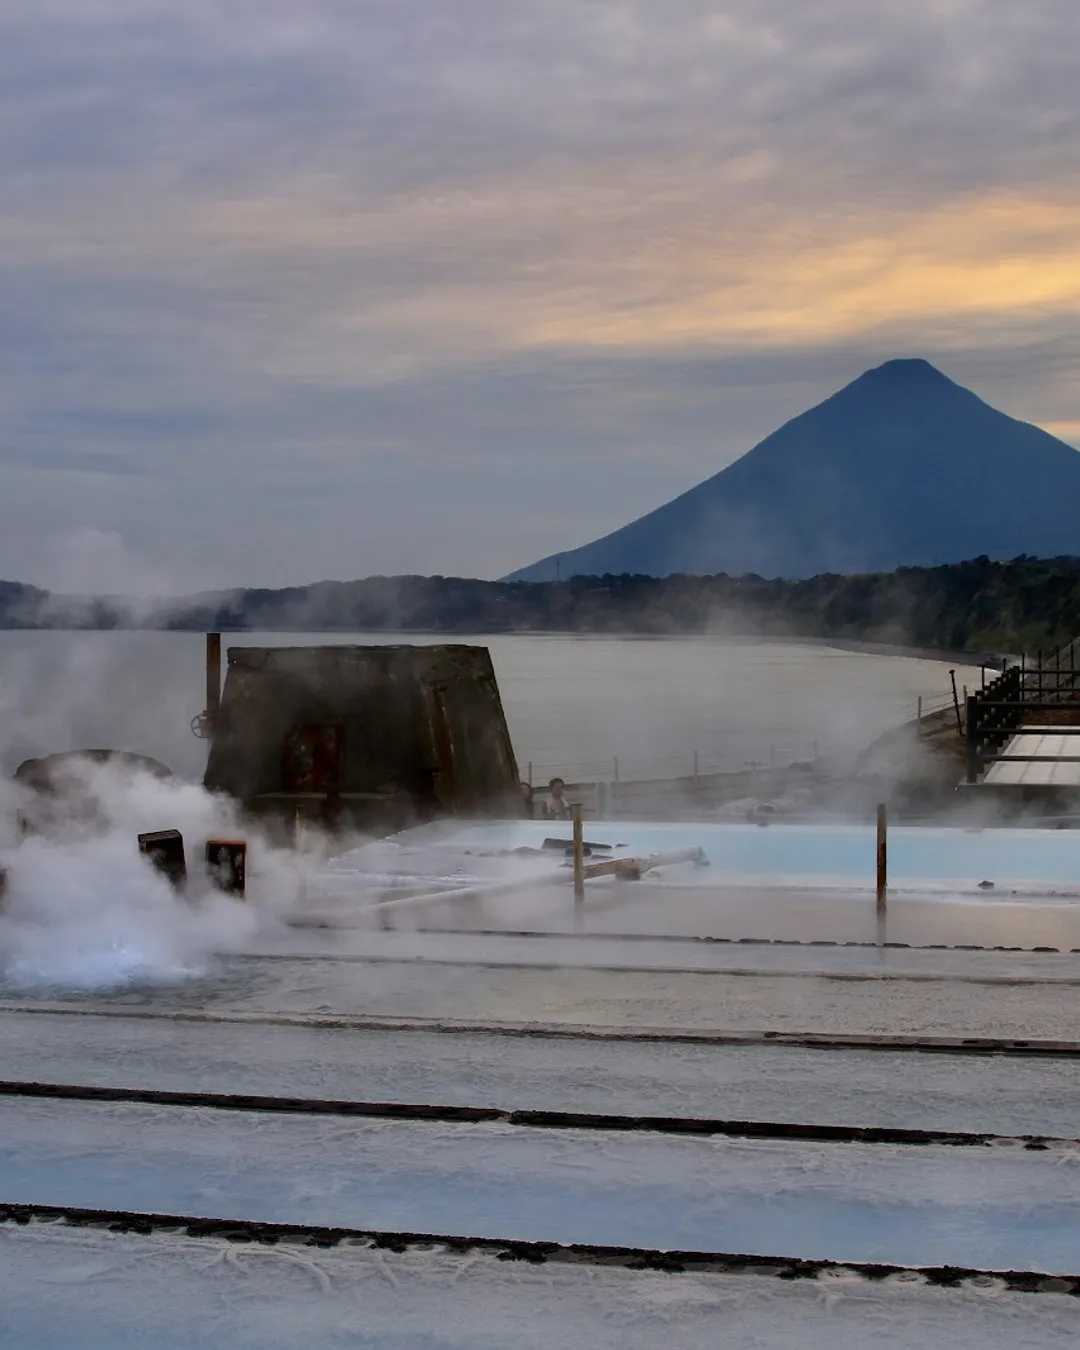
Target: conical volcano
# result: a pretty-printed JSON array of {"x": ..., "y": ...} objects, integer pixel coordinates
[{"x": 901, "y": 467}]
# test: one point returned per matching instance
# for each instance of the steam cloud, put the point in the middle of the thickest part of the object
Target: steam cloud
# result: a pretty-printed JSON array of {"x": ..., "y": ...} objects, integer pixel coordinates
[{"x": 84, "y": 909}]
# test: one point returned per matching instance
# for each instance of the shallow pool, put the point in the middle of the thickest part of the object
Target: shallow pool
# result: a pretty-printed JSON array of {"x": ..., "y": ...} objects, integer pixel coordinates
[{"x": 825, "y": 854}]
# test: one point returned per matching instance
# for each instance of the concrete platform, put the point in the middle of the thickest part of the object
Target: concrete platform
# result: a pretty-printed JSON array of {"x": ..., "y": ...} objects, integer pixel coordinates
[{"x": 1044, "y": 742}]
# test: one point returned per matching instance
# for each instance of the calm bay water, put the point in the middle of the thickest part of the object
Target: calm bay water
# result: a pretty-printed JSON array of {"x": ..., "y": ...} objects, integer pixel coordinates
[{"x": 574, "y": 704}]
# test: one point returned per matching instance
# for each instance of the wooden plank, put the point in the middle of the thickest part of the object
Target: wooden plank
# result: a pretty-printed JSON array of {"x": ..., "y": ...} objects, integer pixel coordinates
[{"x": 632, "y": 868}]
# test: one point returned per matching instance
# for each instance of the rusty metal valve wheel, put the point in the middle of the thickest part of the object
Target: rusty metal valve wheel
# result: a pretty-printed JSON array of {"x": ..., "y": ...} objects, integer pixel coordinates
[{"x": 202, "y": 726}]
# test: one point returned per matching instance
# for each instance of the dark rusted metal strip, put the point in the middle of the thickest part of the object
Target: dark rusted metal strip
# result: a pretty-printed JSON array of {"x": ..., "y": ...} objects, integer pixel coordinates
[
  {"x": 536, "y": 1253},
  {"x": 882, "y": 976},
  {"x": 874, "y": 976},
  {"x": 562, "y": 1031},
  {"x": 991, "y": 758},
  {"x": 595, "y": 936},
  {"x": 532, "y": 1119}
]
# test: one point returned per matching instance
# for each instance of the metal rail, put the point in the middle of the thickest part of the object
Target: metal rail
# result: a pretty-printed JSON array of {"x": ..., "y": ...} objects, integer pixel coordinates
[
  {"x": 529, "y": 1119},
  {"x": 141, "y": 1224},
  {"x": 949, "y": 1045},
  {"x": 594, "y": 936},
  {"x": 713, "y": 972},
  {"x": 1029, "y": 759}
]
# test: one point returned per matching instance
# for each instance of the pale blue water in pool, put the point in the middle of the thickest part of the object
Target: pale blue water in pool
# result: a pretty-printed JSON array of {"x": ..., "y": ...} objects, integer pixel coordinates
[{"x": 831, "y": 853}]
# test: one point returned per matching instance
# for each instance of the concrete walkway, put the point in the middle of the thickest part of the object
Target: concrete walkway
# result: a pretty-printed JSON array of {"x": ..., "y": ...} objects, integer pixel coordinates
[{"x": 1044, "y": 742}]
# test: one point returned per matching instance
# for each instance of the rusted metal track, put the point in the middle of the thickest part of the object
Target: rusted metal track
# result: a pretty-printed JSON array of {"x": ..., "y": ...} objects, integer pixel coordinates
[
  {"x": 135, "y": 1222},
  {"x": 949, "y": 1045},
  {"x": 532, "y": 1119},
  {"x": 883, "y": 976},
  {"x": 701, "y": 938},
  {"x": 810, "y": 945}
]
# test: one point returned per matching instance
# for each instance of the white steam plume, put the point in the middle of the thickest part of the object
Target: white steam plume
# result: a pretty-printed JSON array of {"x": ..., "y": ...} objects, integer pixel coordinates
[{"x": 84, "y": 909}]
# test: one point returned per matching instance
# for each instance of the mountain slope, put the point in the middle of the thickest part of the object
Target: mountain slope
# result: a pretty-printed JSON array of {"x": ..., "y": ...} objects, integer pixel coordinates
[{"x": 902, "y": 467}]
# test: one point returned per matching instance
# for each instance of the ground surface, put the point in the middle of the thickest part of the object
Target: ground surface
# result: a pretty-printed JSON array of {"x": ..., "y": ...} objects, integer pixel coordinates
[
  {"x": 612, "y": 1000},
  {"x": 64, "y": 1290},
  {"x": 555, "y": 1023},
  {"x": 992, "y": 1094}
]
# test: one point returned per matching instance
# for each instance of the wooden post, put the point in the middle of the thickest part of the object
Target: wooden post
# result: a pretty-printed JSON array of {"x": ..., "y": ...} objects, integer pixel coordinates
[
  {"x": 956, "y": 704},
  {"x": 973, "y": 731},
  {"x": 299, "y": 843},
  {"x": 882, "y": 856},
  {"x": 579, "y": 856},
  {"x": 213, "y": 678}
]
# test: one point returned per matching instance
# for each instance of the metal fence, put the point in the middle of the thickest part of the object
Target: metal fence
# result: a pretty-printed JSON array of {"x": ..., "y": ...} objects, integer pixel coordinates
[{"x": 695, "y": 764}]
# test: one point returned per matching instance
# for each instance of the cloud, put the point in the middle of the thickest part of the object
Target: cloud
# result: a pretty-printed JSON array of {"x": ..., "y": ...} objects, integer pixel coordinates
[{"x": 273, "y": 271}]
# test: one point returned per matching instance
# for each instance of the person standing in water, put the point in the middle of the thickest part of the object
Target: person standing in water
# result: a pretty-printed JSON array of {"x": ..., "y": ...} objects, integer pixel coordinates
[{"x": 557, "y": 807}]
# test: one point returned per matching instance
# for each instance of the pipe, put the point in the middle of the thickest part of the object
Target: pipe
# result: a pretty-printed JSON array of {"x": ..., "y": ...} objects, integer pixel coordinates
[{"x": 213, "y": 678}]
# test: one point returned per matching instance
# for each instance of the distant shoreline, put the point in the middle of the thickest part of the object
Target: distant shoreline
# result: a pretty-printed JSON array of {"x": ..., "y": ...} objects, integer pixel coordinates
[
  {"x": 975, "y": 660},
  {"x": 944, "y": 656},
  {"x": 922, "y": 613}
]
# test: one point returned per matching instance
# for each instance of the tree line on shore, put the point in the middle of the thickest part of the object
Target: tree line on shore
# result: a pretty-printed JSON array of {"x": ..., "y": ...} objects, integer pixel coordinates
[{"x": 1025, "y": 604}]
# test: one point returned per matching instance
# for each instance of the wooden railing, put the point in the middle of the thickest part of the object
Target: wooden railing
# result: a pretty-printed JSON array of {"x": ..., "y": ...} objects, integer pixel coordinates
[
  {"x": 996, "y": 712},
  {"x": 993, "y": 714}
]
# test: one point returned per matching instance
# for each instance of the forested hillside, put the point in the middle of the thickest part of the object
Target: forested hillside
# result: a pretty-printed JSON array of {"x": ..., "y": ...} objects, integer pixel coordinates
[{"x": 977, "y": 606}]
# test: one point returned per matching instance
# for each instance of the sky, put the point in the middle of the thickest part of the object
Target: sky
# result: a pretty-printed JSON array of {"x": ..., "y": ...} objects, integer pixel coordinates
[{"x": 334, "y": 288}]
